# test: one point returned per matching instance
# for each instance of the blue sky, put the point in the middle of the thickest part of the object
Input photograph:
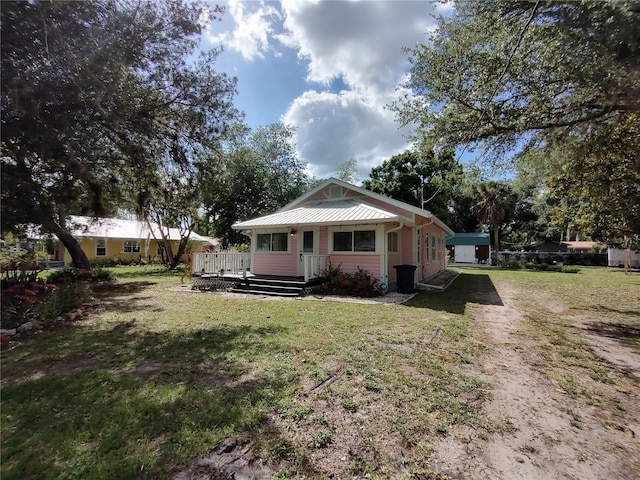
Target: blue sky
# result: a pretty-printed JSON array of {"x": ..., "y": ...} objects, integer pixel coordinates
[{"x": 327, "y": 68}]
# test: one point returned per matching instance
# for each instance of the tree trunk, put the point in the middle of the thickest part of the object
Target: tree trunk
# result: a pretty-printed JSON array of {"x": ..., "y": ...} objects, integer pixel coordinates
[
  {"x": 496, "y": 245},
  {"x": 78, "y": 257}
]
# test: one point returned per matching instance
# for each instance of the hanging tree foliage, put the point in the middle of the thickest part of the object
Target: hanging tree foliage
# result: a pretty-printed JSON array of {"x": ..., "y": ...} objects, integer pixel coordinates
[
  {"x": 553, "y": 75},
  {"x": 96, "y": 97}
]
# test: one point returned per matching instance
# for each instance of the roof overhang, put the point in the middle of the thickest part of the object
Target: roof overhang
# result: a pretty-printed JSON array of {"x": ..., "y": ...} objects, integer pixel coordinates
[{"x": 327, "y": 213}]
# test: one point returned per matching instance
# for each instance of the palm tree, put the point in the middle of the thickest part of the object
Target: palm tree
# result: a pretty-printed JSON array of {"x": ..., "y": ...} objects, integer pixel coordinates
[{"x": 493, "y": 203}]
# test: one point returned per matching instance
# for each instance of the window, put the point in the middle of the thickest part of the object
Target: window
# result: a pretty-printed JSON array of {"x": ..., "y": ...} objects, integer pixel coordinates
[
  {"x": 101, "y": 247},
  {"x": 342, "y": 241},
  {"x": 131, "y": 246},
  {"x": 358, "y": 241},
  {"x": 307, "y": 241},
  {"x": 272, "y": 242},
  {"x": 427, "y": 248},
  {"x": 160, "y": 249},
  {"x": 392, "y": 242},
  {"x": 433, "y": 248}
]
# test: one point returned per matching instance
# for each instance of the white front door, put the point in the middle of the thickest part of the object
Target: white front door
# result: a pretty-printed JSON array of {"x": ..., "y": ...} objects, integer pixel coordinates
[{"x": 307, "y": 245}]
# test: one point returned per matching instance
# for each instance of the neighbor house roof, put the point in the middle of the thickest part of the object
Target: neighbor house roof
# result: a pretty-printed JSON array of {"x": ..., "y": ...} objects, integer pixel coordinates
[
  {"x": 469, "y": 239},
  {"x": 322, "y": 213},
  {"x": 580, "y": 245},
  {"x": 80, "y": 226},
  {"x": 300, "y": 214}
]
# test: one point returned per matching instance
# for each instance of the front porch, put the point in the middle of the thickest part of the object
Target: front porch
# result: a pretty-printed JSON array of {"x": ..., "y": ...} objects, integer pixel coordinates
[{"x": 240, "y": 266}]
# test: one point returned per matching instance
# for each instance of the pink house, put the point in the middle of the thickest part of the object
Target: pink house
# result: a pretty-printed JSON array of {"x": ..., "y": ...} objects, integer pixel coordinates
[{"x": 341, "y": 224}]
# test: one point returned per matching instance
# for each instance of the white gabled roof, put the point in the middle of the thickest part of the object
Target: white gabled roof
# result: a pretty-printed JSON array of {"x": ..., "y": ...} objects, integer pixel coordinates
[
  {"x": 322, "y": 213},
  {"x": 80, "y": 226}
]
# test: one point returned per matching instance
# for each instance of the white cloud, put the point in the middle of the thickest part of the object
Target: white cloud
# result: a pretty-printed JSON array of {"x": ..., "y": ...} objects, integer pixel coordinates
[
  {"x": 360, "y": 42},
  {"x": 253, "y": 27},
  {"x": 333, "y": 128}
]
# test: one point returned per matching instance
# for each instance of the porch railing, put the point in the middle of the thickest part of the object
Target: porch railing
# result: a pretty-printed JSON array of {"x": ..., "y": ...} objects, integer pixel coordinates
[
  {"x": 314, "y": 264},
  {"x": 221, "y": 264}
]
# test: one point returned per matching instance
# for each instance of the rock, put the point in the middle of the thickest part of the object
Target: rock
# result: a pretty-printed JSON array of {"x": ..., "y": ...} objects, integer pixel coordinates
[
  {"x": 519, "y": 459},
  {"x": 58, "y": 319},
  {"x": 8, "y": 332},
  {"x": 36, "y": 325},
  {"x": 25, "y": 327},
  {"x": 79, "y": 313}
]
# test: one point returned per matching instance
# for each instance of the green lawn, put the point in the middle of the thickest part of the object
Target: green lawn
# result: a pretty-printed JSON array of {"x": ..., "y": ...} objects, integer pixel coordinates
[{"x": 155, "y": 378}]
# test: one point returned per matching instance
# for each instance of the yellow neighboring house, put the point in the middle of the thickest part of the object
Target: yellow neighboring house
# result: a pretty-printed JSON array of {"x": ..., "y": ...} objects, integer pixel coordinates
[{"x": 105, "y": 240}]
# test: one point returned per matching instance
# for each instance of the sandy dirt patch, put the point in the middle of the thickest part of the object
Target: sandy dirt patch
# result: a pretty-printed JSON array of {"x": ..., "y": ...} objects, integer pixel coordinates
[{"x": 544, "y": 433}]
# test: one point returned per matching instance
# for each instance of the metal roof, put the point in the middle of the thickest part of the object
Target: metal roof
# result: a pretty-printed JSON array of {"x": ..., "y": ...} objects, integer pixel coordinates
[
  {"x": 469, "y": 239},
  {"x": 80, "y": 226},
  {"x": 322, "y": 213}
]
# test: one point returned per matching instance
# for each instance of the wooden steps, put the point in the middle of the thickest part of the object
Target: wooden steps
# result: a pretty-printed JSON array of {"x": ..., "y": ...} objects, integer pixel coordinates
[{"x": 274, "y": 286}]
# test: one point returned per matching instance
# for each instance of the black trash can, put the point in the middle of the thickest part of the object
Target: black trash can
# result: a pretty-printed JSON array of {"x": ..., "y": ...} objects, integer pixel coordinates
[{"x": 405, "y": 274}]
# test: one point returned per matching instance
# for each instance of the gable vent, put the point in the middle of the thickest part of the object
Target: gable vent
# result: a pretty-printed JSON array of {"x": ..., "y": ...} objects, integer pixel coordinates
[{"x": 335, "y": 192}]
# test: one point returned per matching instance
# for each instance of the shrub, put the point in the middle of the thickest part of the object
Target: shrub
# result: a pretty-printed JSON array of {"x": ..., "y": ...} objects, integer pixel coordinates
[
  {"x": 512, "y": 264},
  {"x": 24, "y": 302},
  {"x": 566, "y": 269},
  {"x": 72, "y": 275},
  {"x": 358, "y": 284}
]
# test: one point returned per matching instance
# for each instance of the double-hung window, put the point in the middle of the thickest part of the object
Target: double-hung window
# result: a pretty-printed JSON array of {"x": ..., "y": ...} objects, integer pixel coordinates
[
  {"x": 101, "y": 247},
  {"x": 272, "y": 242},
  {"x": 131, "y": 246},
  {"x": 434, "y": 250},
  {"x": 427, "y": 248}
]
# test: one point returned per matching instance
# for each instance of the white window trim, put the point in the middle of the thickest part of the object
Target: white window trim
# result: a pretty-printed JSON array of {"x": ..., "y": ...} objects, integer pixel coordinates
[
  {"x": 133, "y": 243},
  {"x": 105, "y": 247},
  {"x": 271, "y": 252},
  {"x": 434, "y": 248},
  {"x": 427, "y": 248},
  {"x": 364, "y": 228}
]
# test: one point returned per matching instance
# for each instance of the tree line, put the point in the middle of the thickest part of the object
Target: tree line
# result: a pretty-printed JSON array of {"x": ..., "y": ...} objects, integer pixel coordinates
[{"x": 110, "y": 106}]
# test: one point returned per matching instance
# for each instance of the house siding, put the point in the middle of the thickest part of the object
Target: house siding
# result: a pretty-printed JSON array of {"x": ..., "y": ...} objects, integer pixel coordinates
[
  {"x": 274, "y": 263},
  {"x": 350, "y": 263},
  {"x": 407, "y": 240},
  {"x": 427, "y": 267},
  {"x": 392, "y": 260},
  {"x": 115, "y": 250},
  {"x": 323, "y": 241}
]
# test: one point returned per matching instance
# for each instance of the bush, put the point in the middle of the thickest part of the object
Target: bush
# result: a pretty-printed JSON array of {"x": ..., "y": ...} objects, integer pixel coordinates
[
  {"x": 358, "y": 284},
  {"x": 68, "y": 275},
  {"x": 72, "y": 275},
  {"x": 512, "y": 264},
  {"x": 566, "y": 269},
  {"x": 24, "y": 302}
]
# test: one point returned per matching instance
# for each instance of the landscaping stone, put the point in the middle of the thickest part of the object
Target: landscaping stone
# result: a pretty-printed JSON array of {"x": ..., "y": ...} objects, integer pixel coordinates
[
  {"x": 25, "y": 327},
  {"x": 9, "y": 332}
]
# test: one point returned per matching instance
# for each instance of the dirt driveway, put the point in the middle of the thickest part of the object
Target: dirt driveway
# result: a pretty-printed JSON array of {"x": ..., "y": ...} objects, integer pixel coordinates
[{"x": 566, "y": 422}]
